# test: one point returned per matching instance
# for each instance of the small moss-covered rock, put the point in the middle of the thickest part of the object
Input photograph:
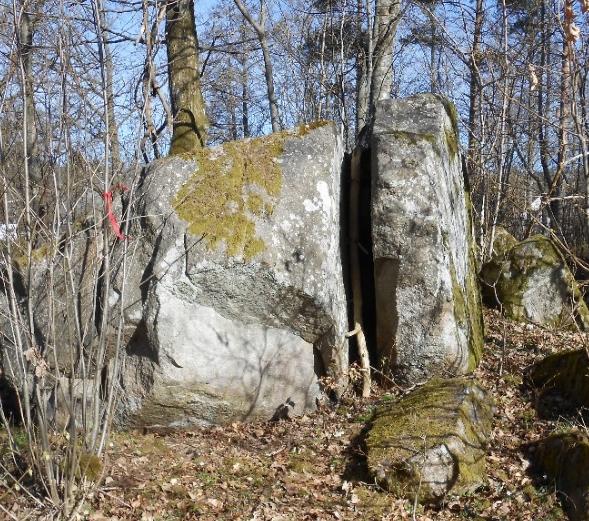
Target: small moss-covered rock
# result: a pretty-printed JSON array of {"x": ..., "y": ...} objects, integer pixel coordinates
[
  {"x": 431, "y": 441},
  {"x": 503, "y": 241},
  {"x": 531, "y": 282},
  {"x": 566, "y": 374},
  {"x": 564, "y": 458}
]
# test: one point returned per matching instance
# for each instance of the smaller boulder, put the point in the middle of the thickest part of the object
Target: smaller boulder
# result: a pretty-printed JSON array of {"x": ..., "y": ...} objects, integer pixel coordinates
[
  {"x": 531, "y": 282},
  {"x": 503, "y": 241},
  {"x": 566, "y": 374},
  {"x": 564, "y": 458},
  {"x": 431, "y": 441}
]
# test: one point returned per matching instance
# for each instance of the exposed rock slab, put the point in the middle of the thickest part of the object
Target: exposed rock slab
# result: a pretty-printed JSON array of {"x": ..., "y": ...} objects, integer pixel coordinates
[
  {"x": 239, "y": 302},
  {"x": 428, "y": 309},
  {"x": 531, "y": 282},
  {"x": 564, "y": 458},
  {"x": 431, "y": 441}
]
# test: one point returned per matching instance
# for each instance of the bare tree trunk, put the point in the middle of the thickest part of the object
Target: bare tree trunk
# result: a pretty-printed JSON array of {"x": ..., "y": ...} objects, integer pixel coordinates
[
  {"x": 362, "y": 72},
  {"x": 245, "y": 119},
  {"x": 260, "y": 28},
  {"x": 502, "y": 132},
  {"x": 564, "y": 120},
  {"x": 355, "y": 271},
  {"x": 24, "y": 33},
  {"x": 188, "y": 108},
  {"x": 108, "y": 69},
  {"x": 387, "y": 16},
  {"x": 475, "y": 93}
]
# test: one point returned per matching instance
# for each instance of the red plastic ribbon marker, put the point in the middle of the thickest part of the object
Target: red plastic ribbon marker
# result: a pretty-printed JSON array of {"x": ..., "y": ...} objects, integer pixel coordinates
[{"x": 114, "y": 223}]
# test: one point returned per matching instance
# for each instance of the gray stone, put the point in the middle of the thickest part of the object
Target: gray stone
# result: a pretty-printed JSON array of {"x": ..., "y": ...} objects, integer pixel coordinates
[
  {"x": 431, "y": 441},
  {"x": 532, "y": 282},
  {"x": 236, "y": 285},
  {"x": 428, "y": 309},
  {"x": 62, "y": 293}
]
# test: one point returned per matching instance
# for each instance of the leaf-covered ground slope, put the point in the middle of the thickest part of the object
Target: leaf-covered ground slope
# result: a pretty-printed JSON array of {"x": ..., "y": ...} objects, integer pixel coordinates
[{"x": 312, "y": 468}]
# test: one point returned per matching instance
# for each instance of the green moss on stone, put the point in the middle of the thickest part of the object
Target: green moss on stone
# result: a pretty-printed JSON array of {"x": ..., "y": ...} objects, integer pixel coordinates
[
  {"x": 451, "y": 142},
  {"x": 455, "y": 414},
  {"x": 506, "y": 278},
  {"x": 452, "y": 113},
  {"x": 233, "y": 185},
  {"x": 305, "y": 128},
  {"x": 567, "y": 373},
  {"x": 564, "y": 458},
  {"x": 503, "y": 241}
]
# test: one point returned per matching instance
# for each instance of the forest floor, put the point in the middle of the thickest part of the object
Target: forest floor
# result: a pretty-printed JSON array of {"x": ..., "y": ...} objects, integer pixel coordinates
[{"x": 311, "y": 468}]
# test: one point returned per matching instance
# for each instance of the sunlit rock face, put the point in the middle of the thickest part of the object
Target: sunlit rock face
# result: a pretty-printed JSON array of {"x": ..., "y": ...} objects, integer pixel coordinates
[
  {"x": 427, "y": 297},
  {"x": 236, "y": 293}
]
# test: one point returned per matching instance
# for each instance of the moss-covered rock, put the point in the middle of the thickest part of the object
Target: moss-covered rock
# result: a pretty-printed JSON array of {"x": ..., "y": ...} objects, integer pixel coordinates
[
  {"x": 531, "y": 282},
  {"x": 564, "y": 458},
  {"x": 431, "y": 441},
  {"x": 565, "y": 373},
  {"x": 503, "y": 241}
]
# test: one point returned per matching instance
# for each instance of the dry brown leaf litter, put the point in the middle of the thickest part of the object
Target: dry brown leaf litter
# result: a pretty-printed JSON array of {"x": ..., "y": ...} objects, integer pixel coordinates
[{"x": 311, "y": 468}]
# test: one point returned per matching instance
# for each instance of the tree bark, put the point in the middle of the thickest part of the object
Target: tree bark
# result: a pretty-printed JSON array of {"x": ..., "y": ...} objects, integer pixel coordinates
[
  {"x": 25, "y": 31},
  {"x": 386, "y": 20},
  {"x": 188, "y": 108},
  {"x": 475, "y": 92}
]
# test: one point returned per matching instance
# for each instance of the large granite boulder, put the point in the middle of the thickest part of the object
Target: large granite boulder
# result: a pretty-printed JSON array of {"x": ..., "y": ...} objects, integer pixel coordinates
[
  {"x": 431, "y": 441},
  {"x": 237, "y": 292},
  {"x": 531, "y": 282},
  {"x": 564, "y": 459},
  {"x": 429, "y": 319}
]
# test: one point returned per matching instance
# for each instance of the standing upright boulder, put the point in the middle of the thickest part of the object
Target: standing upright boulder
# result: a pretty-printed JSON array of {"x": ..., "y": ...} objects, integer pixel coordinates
[
  {"x": 239, "y": 302},
  {"x": 428, "y": 310}
]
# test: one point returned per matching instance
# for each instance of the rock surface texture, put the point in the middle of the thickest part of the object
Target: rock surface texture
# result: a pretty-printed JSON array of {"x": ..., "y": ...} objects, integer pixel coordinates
[
  {"x": 564, "y": 459},
  {"x": 427, "y": 297},
  {"x": 431, "y": 441},
  {"x": 565, "y": 374},
  {"x": 531, "y": 282},
  {"x": 239, "y": 302}
]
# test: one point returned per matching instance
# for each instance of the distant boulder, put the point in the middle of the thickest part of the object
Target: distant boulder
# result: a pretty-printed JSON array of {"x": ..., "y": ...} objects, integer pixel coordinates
[
  {"x": 531, "y": 282},
  {"x": 432, "y": 441}
]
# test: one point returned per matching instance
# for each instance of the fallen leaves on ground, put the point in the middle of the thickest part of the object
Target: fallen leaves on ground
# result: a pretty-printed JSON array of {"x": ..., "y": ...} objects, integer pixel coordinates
[{"x": 310, "y": 468}]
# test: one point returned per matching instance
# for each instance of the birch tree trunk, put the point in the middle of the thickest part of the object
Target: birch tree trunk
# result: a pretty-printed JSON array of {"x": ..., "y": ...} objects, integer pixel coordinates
[{"x": 386, "y": 20}]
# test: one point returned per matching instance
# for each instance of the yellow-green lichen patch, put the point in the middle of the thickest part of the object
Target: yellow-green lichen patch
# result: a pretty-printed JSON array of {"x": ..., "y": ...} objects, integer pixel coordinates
[
  {"x": 305, "y": 128},
  {"x": 232, "y": 186},
  {"x": 503, "y": 241},
  {"x": 451, "y": 142},
  {"x": 42, "y": 252}
]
